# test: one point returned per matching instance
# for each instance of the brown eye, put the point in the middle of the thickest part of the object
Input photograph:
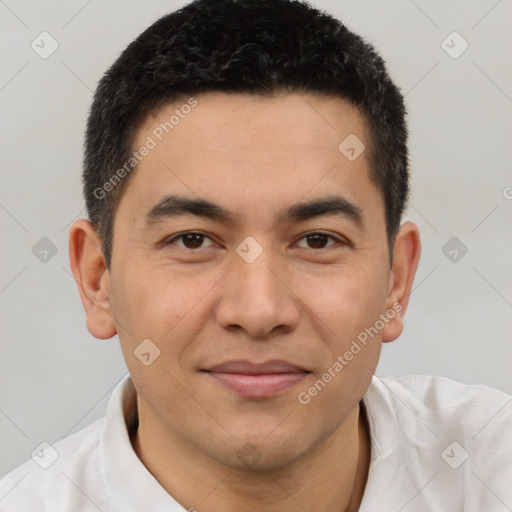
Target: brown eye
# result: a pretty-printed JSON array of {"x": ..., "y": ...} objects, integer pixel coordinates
[
  {"x": 318, "y": 240},
  {"x": 193, "y": 240},
  {"x": 189, "y": 240}
]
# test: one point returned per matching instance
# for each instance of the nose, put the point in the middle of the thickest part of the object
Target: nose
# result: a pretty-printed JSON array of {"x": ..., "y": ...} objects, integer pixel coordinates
[{"x": 258, "y": 298}]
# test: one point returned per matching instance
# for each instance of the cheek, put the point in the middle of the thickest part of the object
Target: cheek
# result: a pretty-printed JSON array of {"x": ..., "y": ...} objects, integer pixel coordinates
[
  {"x": 348, "y": 308},
  {"x": 159, "y": 303},
  {"x": 143, "y": 303},
  {"x": 346, "y": 302}
]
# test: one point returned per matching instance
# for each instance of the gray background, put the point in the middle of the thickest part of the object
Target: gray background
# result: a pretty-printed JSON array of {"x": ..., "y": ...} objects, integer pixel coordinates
[{"x": 55, "y": 378}]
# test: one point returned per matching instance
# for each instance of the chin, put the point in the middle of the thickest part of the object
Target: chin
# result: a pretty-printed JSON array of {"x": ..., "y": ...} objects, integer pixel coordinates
[{"x": 263, "y": 454}]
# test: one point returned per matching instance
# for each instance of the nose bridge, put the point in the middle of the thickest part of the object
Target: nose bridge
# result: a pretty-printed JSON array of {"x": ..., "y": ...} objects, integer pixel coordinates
[
  {"x": 258, "y": 280},
  {"x": 256, "y": 296},
  {"x": 257, "y": 284},
  {"x": 254, "y": 259}
]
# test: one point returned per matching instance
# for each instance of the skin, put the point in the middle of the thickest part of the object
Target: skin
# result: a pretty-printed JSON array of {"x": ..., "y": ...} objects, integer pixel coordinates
[{"x": 297, "y": 301}]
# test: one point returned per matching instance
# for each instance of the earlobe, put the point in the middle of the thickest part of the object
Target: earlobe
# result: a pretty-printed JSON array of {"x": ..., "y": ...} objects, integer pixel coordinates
[
  {"x": 406, "y": 256},
  {"x": 92, "y": 277}
]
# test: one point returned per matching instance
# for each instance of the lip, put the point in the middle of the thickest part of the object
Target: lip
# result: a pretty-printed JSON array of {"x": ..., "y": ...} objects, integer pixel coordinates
[{"x": 257, "y": 380}]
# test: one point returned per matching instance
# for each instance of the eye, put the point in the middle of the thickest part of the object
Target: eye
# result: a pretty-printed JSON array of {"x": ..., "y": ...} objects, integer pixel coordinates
[
  {"x": 318, "y": 240},
  {"x": 190, "y": 240},
  {"x": 193, "y": 240}
]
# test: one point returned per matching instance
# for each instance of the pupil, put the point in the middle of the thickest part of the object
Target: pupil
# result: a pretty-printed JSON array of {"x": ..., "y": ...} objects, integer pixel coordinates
[
  {"x": 193, "y": 241},
  {"x": 317, "y": 241}
]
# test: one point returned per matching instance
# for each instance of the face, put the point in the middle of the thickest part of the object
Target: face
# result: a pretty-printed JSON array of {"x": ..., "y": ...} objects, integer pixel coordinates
[{"x": 256, "y": 296}]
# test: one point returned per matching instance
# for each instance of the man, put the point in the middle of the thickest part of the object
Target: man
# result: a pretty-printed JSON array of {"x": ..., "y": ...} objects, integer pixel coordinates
[{"x": 245, "y": 176}]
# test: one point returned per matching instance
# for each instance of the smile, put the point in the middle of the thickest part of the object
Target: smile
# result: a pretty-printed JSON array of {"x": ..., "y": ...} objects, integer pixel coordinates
[{"x": 251, "y": 380}]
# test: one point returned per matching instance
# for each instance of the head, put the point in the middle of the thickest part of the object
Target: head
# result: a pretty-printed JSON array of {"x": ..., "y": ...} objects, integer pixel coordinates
[
  {"x": 245, "y": 175},
  {"x": 246, "y": 47}
]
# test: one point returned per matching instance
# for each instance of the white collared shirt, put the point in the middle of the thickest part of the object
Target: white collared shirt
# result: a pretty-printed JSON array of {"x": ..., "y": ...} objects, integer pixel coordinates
[{"x": 436, "y": 445}]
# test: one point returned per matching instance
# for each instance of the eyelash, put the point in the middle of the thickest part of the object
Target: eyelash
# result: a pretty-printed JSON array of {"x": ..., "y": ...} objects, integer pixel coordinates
[{"x": 339, "y": 241}]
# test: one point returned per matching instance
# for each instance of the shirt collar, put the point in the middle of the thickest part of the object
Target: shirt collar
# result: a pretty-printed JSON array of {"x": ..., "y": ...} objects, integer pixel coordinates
[
  {"x": 388, "y": 447},
  {"x": 129, "y": 485}
]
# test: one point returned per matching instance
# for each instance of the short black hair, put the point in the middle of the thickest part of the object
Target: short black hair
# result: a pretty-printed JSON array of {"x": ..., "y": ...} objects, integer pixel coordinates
[{"x": 263, "y": 47}]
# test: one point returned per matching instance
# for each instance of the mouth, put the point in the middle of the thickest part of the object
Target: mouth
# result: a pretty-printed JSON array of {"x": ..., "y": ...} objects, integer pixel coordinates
[{"x": 257, "y": 380}]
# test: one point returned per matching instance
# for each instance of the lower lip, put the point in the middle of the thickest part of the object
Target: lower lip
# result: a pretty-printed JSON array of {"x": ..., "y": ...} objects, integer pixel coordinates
[{"x": 258, "y": 386}]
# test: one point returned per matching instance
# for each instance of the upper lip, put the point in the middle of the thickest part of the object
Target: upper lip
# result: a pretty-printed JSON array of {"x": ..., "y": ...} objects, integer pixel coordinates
[{"x": 251, "y": 368}]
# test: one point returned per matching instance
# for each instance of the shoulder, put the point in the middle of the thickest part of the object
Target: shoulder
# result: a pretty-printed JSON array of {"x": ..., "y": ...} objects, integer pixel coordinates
[
  {"x": 455, "y": 436},
  {"x": 468, "y": 410},
  {"x": 441, "y": 398},
  {"x": 442, "y": 390},
  {"x": 64, "y": 476}
]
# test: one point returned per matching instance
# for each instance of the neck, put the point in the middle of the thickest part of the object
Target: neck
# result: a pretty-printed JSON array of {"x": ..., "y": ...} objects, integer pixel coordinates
[{"x": 331, "y": 477}]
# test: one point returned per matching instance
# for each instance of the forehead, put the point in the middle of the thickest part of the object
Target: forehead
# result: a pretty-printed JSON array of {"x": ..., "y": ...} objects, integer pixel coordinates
[
  {"x": 250, "y": 151},
  {"x": 218, "y": 120}
]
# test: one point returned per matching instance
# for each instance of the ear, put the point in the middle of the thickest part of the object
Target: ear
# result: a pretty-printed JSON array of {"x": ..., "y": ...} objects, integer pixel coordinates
[
  {"x": 92, "y": 277},
  {"x": 406, "y": 255}
]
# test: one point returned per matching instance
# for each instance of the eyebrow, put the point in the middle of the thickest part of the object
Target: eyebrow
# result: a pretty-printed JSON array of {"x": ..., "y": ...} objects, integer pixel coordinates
[{"x": 172, "y": 206}]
